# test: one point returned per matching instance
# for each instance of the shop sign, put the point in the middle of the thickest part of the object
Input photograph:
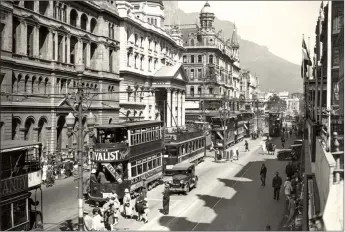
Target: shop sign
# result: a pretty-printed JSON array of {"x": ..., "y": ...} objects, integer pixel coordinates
[
  {"x": 14, "y": 185},
  {"x": 109, "y": 154},
  {"x": 34, "y": 179},
  {"x": 146, "y": 175}
]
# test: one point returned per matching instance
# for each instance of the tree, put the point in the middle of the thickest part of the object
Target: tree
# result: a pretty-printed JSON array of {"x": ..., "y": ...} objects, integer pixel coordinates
[{"x": 275, "y": 103}]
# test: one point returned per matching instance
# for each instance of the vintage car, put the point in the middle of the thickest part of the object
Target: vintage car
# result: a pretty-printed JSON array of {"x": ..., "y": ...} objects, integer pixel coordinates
[
  {"x": 293, "y": 153},
  {"x": 183, "y": 178},
  {"x": 284, "y": 154}
]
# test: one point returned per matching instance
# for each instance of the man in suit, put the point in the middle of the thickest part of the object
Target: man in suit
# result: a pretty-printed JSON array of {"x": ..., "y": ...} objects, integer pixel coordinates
[
  {"x": 276, "y": 184},
  {"x": 263, "y": 172}
]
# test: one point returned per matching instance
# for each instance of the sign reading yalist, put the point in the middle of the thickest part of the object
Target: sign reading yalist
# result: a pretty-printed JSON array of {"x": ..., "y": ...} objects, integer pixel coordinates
[
  {"x": 13, "y": 185},
  {"x": 115, "y": 152}
]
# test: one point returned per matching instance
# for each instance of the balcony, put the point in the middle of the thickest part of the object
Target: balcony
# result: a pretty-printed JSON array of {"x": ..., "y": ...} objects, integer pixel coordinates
[{"x": 206, "y": 96}]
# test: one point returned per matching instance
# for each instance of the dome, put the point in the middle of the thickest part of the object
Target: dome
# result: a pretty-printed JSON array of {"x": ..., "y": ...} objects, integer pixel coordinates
[{"x": 206, "y": 9}]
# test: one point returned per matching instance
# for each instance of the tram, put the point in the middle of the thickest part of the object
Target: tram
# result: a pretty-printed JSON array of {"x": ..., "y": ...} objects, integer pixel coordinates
[
  {"x": 130, "y": 154},
  {"x": 218, "y": 132},
  {"x": 275, "y": 123},
  {"x": 20, "y": 177},
  {"x": 184, "y": 147}
]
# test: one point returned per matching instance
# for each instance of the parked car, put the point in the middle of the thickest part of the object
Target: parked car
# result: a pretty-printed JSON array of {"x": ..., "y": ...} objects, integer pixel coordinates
[
  {"x": 284, "y": 154},
  {"x": 183, "y": 178}
]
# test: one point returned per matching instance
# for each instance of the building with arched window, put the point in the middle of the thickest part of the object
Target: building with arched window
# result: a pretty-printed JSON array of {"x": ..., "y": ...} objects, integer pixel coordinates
[
  {"x": 212, "y": 64},
  {"x": 41, "y": 43}
]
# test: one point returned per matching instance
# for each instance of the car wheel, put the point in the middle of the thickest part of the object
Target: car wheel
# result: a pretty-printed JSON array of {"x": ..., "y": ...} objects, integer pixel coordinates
[{"x": 186, "y": 189}]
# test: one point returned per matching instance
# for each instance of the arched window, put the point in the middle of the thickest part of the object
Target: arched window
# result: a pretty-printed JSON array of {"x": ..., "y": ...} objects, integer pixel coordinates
[
  {"x": 93, "y": 25},
  {"x": 83, "y": 21},
  {"x": 73, "y": 17},
  {"x": 192, "y": 42},
  {"x": 29, "y": 126},
  {"x": 15, "y": 128}
]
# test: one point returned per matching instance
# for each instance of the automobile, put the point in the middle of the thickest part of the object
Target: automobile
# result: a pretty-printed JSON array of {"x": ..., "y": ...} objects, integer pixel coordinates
[
  {"x": 183, "y": 178},
  {"x": 284, "y": 154}
]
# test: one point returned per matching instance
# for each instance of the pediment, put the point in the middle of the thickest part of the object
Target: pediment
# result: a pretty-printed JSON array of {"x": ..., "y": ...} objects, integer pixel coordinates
[
  {"x": 63, "y": 29},
  {"x": 31, "y": 18},
  {"x": 85, "y": 37}
]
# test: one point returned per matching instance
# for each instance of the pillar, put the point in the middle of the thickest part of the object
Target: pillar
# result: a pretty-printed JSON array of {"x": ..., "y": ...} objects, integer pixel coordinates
[
  {"x": 88, "y": 55},
  {"x": 179, "y": 112},
  {"x": 174, "y": 105},
  {"x": 79, "y": 52},
  {"x": 153, "y": 101},
  {"x": 22, "y": 37},
  {"x": 36, "y": 46},
  {"x": 50, "y": 46},
  {"x": 183, "y": 95},
  {"x": 68, "y": 49},
  {"x": 63, "y": 49},
  {"x": 168, "y": 106},
  {"x": 181, "y": 115},
  {"x": 56, "y": 44}
]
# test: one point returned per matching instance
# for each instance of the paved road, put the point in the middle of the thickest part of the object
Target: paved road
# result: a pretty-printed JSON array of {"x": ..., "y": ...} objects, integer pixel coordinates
[{"x": 229, "y": 197}]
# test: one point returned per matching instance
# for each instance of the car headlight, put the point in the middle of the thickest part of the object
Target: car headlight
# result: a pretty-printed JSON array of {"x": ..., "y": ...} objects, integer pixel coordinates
[{"x": 182, "y": 182}]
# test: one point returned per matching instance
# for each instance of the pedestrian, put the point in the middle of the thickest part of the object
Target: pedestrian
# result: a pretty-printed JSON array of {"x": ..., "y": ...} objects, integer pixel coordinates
[
  {"x": 289, "y": 170},
  {"x": 276, "y": 184},
  {"x": 166, "y": 199},
  {"x": 97, "y": 220},
  {"x": 263, "y": 172},
  {"x": 246, "y": 145},
  {"x": 290, "y": 132},
  {"x": 44, "y": 172},
  {"x": 101, "y": 176},
  {"x": 50, "y": 177},
  {"x": 268, "y": 227},
  {"x": 283, "y": 141},
  {"x": 116, "y": 207},
  {"x": 31, "y": 203},
  {"x": 145, "y": 210},
  {"x": 144, "y": 189},
  {"x": 216, "y": 153},
  {"x": 127, "y": 207},
  {"x": 109, "y": 217},
  {"x": 237, "y": 153},
  {"x": 287, "y": 188},
  {"x": 88, "y": 225},
  {"x": 139, "y": 207},
  {"x": 105, "y": 205}
]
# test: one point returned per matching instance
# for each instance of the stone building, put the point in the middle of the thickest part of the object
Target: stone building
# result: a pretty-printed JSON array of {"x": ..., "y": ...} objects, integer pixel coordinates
[
  {"x": 212, "y": 65},
  {"x": 292, "y": 106},
  {"x": 153, "y": 80},
  {"x": 249, "y": 85},
  {"x": 42, "y": 41}
]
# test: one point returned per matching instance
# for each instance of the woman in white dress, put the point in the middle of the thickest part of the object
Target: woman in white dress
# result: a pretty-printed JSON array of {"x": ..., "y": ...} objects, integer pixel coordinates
[
  {"x": 44, "y": 172},
  {"x": 127, "y": 206}
]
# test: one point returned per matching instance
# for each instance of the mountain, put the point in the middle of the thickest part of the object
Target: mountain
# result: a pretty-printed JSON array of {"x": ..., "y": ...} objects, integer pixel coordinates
[{"x": 273, "y": 72}]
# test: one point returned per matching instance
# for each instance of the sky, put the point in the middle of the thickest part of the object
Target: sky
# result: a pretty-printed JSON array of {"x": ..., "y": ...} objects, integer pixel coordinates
[{"x": 278, "y": 25}]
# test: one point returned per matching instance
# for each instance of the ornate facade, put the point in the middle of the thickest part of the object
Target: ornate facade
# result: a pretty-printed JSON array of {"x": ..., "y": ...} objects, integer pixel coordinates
[
  {"x": 212, "y": 65},
  {"x": 41, "y": 43},
  {"x": 153, "y": 80}
]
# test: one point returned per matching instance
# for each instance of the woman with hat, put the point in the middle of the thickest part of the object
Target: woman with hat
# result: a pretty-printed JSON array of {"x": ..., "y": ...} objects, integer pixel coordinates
[
  {"x": 145, "y": 210},
  {"x": 127, "y": 208},
  {"x": 116, "y": 207},
  {"x": 97, "y": 220}
]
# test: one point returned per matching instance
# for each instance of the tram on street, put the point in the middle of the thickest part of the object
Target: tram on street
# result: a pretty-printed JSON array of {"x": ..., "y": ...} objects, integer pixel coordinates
[
  {"x": 275, "y": 123},
  {"x": 218, "y": 132},
  {"x": 184, "y": 147},
  {"x": 130, "y": 155},
  {"x": 21, "y": 175}
]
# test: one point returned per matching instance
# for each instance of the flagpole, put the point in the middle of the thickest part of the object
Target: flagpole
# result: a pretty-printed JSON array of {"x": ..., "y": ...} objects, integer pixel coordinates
[{"x": 329, "y": 72}]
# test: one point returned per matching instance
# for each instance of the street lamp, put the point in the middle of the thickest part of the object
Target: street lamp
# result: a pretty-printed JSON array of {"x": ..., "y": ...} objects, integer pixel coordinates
[{"x": 224, "y": 115}]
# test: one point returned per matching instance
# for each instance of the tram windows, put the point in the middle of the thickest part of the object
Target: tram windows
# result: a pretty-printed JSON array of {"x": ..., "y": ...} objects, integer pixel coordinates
[
  {"x": 6, "y": 217},
  {"x": 20, "y": 212},
  {"x": 144, "y": 166},
  {"x": 149, "y": 163},
  {"x": 140, "y": 169},
  {"x": 159, "y": 162},
  {"x": 154, "y": 163},
  {"x": 139, "y": 138}
]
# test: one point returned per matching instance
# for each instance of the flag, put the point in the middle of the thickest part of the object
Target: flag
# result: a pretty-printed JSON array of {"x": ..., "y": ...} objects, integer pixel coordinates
[{"x": 306, "y": 61}]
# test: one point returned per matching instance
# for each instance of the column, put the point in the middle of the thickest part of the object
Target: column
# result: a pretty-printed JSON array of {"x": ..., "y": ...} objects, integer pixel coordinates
[
  {"x": 168, "y": 106},
  {"x": 56, "y": 45},
  {"x": 179, "y": 108},
  {"x": 183, "y": 108},
  {"x": 153, "y": 109},
  {"x": 68, "y": 49},
  {"x": 79, "y": 52},
  {"x": 36, "y": 48},
  {"x": 173, "y": 108},
  {"x": 49, "y": 55},
  {"x": 88, "y": 55},
  {"x": 22, "y": 38},
  {"x": 181, "y": 115},
  {"x": 63, "y": 49}
]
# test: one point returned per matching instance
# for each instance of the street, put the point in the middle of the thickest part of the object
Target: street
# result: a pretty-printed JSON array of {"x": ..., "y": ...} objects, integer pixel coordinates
[{"x": 229, "y": 196}]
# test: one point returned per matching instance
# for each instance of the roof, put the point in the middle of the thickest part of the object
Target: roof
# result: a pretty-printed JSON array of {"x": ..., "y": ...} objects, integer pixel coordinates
[
  {"x": 170, "y": 72},
  {"x": 182, "y": 166},
  {"x": 10, "y": 145},
  {"x": 129, "y": 124},
  {"x": 152, "y": 1},
  {"x": 234, "y": 38},
  {"x": 193, "y": 28},
  {"x": 207, "y": 9}
]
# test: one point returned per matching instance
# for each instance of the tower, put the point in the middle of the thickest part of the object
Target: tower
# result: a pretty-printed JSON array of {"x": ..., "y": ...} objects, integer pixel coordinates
[
  {"x": 235, "y": 44},
  {"x": 206, "y": 17}
]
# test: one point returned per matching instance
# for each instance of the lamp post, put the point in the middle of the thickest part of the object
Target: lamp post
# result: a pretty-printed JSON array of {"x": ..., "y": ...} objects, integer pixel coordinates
[
  {"x": 80, "y": 133},
  {"x": 224, "y": 115}
]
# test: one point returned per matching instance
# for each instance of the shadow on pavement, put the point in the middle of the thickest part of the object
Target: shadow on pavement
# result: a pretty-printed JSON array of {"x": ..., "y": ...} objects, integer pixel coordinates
[
  {"x": 245, "y": 205},
  {"x": 68, "y": 225}
]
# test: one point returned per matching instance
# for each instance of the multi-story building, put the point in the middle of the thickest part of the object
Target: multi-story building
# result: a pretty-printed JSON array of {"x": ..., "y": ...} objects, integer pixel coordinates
[
  {"x": 292, "y": 106},
  {"x": 153, "y": 80},
  {"x": 324, "y": 125},
  {"x": 212, "y": 65},
  {"x": 248, "y": 88},
  {"x": 41, "y": 44},
  {"x": 283, "y": 95}
]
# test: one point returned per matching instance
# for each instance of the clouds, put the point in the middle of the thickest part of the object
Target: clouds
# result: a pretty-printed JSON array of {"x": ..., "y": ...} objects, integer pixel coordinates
[{"x": 279, "y": 25}]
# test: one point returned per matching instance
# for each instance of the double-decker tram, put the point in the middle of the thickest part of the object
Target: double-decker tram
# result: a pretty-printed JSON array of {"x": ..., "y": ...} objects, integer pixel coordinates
[
  {"x": 275, "y": 123},
  {"x": 184, "y": 147},
  {"x": 130, "y": 156},
  {"x": 248, "y": 123},
  {"x": 20, "y": 173},
  {"x": 223, "y": 128},
  {"x": 241, "y": 125}
]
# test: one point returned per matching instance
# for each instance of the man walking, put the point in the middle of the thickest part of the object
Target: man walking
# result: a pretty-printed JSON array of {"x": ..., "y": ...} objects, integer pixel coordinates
[
  {"x": 263, "y": 172},
  {"x": 283, "y": 141},
  {"x": 276, "y": 184},
  {"x": 289, "y": 170},
  {"x": 166, "y": 199},
  {"x": 246, "y": 145}
]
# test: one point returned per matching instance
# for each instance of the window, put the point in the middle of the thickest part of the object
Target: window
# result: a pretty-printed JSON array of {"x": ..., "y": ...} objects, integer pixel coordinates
[
  {"x": 154, "y": 163},
  {"x": 192, "y": 74},
  {"x": 184, "y": 59},
  {"x": 199, "y": 90},
  {"x": 140, "y": 169},
  {"x": 134, "y": 169},
  {"x": 199, "y": 58},
  {"x": 20, "y": 212},
  {"x": 149, "y": 163},
  {"x": 335, "y": 56},
  {"x": 136, "y": 40},
  {"x": 192, "y": 91},
  {"x": 144, "y": 166},
  {"x": 192, "y": 59},
  {"x": 199, "y": 74},
  {"x": 210, "y": 59}
]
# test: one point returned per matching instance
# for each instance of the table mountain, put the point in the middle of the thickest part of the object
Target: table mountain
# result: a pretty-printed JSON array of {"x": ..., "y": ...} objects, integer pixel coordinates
[{"x": 274, "y": 72}]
